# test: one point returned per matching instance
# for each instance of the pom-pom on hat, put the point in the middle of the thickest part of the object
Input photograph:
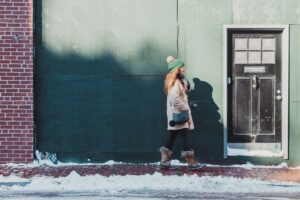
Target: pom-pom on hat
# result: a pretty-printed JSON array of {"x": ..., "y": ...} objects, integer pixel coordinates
[{"x": 174, "y": 63}]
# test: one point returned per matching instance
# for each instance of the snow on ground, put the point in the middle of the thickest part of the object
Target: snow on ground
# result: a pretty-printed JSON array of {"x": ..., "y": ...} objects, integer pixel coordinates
[
  {"x": 248, "y": 152},
  {"x": 193, "y": 183},
  {"x": 37, "y": 163}
]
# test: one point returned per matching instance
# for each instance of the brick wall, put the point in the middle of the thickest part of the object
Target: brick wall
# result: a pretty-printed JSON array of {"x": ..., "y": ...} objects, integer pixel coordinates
[{"x": 16, "y": 81}]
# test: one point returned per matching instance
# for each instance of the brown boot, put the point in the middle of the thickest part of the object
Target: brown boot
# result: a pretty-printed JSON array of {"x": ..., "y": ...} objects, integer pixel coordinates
[
  {"x": 166, "y": 155},
  {"x": 191, "y": 160}
]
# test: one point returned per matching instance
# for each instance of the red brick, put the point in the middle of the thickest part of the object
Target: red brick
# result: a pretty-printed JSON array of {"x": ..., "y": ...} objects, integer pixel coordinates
[
  {"x": 28, "y": 155},
  {"x": 8, "y": 78},
  {"x": 28, "y": 139},
  {"x": 14, "y": 131},
  {"x": 5, "y": 118},
  {"x": 5, "y": 4},
  {"x": 20, "y": 143},
  {"x": 6, "y": 127},
  {"x": 20, "y": 4},
  {"x": 13, "y": 82},
  {"x": 5, "y": 12},
  {"x": 5, "y": 151},
  {"x": 4, "y": 53},
  {"x": 26, "y": 147},
  {"x": 7, "y": 94},
  {"x": 19, "y": 86},
  {"x": 12, "y": 139},
  {"x": 5, "y": 135},
  {"x": 13, "y": 147},
  {"x": 11, "y": 90},
  {"x": 20, "y": 1},
  {"x": 13, "y": 106},
  {"x": 11, "y": 8},
  {"x": 19, "y": 151},
  {"x": 5, "y": 143},
  {"x": 16, "y": 80},
  {"x": 19, "y": 127},
  {"x": 12, "y": 115},
  {"x": 7, "y": 111},
  {"x": 19, "y": 160},
  {"x": 6, "y": 160}
]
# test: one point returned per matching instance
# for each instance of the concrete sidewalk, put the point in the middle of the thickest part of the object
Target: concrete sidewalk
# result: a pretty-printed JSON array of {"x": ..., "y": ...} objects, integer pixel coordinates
[{"x": 267, "y": 174}]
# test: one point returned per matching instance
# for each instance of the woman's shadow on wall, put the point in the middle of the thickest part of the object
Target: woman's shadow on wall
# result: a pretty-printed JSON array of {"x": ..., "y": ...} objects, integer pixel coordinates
[{"x": 207, "y": 137}]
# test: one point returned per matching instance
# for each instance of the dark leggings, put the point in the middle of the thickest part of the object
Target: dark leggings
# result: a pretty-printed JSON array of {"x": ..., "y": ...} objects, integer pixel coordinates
[{"x": 183, "y": 133}]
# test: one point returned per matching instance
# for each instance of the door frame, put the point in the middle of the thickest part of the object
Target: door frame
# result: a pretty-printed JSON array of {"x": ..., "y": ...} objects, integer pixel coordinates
[{"x": 284, "y": 76}]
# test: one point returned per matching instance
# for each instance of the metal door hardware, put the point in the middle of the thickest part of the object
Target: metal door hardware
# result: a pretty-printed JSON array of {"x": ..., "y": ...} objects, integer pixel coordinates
[
  {"x": 254, "y": 82},
  {"x": 278, "y": 97}
]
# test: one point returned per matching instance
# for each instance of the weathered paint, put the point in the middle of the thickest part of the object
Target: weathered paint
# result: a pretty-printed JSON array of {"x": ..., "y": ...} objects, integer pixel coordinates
[
  {"x": 266, "y": 11},
  {"x": 99, "y": 78},
  {"x": 201, "y": 46},
  {"x": 100, "y": 68},
  {"x": 294, "y": 120}
]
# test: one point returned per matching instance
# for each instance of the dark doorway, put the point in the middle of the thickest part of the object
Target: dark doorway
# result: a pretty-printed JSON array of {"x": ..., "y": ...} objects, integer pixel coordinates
[{"x": 254, "y": 87}]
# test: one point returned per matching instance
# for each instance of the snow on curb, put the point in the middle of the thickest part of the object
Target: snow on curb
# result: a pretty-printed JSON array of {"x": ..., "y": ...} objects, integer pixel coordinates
[
  {"x": 193, "y": 183},
  {"x": 36, "y": 163}
]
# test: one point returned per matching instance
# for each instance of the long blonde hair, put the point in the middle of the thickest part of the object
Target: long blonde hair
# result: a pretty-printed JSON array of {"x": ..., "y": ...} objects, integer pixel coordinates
[{"x": 170, "y": 79}]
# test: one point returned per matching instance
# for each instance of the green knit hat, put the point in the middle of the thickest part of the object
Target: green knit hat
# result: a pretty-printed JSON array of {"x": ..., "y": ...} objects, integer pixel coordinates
[{"x": 174, "y": 63}]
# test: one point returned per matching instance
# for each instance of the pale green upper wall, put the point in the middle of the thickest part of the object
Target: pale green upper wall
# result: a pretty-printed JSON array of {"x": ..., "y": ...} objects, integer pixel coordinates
[
  {"x": 201, "y": 34},
  {"x": 294, "y": 63},
  {"x": 138, "y": 33},
  {"x": 201, "y": 45},
  {"x": 266, "y": 11},
  {"x": 193, "y": 12},
  {"x": 201, "y": 41},
  {"x": 294, "y": 120}
]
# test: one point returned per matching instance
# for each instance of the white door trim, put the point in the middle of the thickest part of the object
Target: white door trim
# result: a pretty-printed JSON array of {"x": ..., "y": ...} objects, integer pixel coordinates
[{"x": 284, "y": 74}]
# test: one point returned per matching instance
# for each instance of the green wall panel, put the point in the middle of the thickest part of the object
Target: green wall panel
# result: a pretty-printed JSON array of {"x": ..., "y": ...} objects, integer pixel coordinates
[
  {"x": 294, "y": 63},
  {"x": 294, "y": 119},
  {"x": 100, "y": 66},
  {"x": 204, "y": 56},
  {"x": 201, "y": 46},
  {"x": 204, "y": 11},
  {"x": 99, "y": 77},
  {"x": 266, "y": 11},
  {"x": 126, "y": 30},
  {"x": 294, "y": 139}
]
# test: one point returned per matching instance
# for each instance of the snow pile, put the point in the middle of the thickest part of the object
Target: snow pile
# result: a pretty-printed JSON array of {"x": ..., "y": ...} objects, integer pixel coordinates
[
  {"x": 37, "y": 163},
  {"x": 75, "y": 182},
  {"x": 247, "y": 152},
  {"x": 249, "y": 165}
]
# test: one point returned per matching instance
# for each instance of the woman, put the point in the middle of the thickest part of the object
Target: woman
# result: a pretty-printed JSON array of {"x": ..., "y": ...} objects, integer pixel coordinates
[{"x": 176, "y": 88}]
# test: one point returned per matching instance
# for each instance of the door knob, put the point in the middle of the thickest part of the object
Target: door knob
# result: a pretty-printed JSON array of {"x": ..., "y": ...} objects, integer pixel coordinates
[{"x": 278, "y": 97}]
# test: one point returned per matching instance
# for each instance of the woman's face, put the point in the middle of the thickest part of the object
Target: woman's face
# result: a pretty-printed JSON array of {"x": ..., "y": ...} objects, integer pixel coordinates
[{"x": 181, "y": 70}]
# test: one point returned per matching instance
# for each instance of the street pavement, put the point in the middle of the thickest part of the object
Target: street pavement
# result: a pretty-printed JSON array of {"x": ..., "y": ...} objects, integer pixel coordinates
[
  {"x": 291, "y": 175},
  {"x": 267, "y": 174},
  {"x": 142, "y": 194}
]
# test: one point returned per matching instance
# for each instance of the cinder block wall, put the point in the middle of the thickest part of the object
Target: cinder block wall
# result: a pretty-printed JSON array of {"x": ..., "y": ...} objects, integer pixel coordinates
[{"x": 16, "y": 81}]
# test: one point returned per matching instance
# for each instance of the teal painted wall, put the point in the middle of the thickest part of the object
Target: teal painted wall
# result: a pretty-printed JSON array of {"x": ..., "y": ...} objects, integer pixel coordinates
[
  {"x": 100, "y": 66},
  {"x": 201, "y": 46}
]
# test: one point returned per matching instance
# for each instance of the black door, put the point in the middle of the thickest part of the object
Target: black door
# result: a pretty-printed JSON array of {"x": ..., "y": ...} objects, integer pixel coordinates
[{"x": 254, "y": 87}]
